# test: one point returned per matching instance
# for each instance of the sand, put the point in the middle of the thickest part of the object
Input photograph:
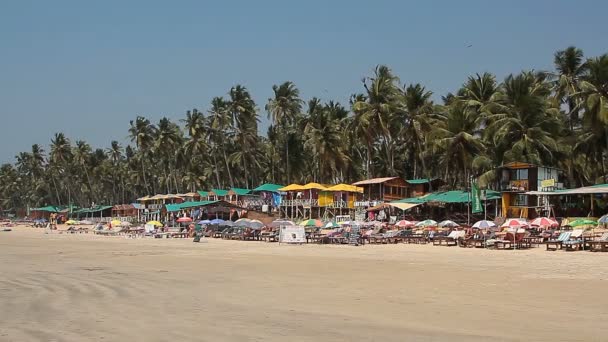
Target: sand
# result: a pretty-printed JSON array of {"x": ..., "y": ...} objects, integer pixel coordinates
[{"x": 93, "y": 288}]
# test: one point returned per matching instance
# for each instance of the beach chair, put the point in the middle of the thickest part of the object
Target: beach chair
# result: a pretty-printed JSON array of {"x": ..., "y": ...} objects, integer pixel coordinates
[
  {"x": 575, "y": 242},
  {"x": 599, "y": 245},
  {"x": 553, "y": 245},
  {"x": 513, "y": 241}
]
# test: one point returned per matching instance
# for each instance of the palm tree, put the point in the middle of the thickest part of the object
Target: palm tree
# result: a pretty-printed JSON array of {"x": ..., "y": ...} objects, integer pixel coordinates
[
  {"x": 142, "y": 133},
  {"x": 570, "y": 67},
  {"x": 82, "y": 152},
  {"x": 167, "y": 142},
  {"x": 283, "y": 110},
  {"x": 457, "y": 140},
  {"x": 375, "y": 111},
  {"x": 221, "y": 126},
  {"x": 521, "y": 121},
  {"x": 244, "y": 113},
  {"x": 594, "y": 92},
  {"x": 417, "y": 110}
]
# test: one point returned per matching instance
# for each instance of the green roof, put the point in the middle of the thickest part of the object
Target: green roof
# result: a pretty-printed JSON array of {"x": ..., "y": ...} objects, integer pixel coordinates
[
  {"x": 219, "y": 192},
  {"x": 454, "y": 196},
  {"x": 269, "y": 187},
  {"x": 203, "y": 193},
  {"x": 599, "y": 186},
  {"x": 55, "y": 208},
  {"x": 92, "y": 210},
  {"x": 240, "y": 191},
  {"x": 185, "y": 205},
  {"x": 48, "y": 208},
  {"x": 418, "y": 181}
]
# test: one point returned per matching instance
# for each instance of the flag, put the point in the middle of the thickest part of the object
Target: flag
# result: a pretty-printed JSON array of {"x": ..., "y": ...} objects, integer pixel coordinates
[{"x": 476, "y": 206}]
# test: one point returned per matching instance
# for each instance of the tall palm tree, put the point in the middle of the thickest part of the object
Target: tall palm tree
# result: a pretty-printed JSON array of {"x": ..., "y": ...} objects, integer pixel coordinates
[
  {"x": 221, "y": 126},
  {"x": 417, "y": 108},
  {"x": 142, "y": 133},
  {"x": 570, "y": 67},
  {"x": 594, "y": 92},
  {"x": 82, "y": 154},
  {"x": 243, "y": 110},
  {"x": 375, "y": 111},
  {"x": 283, "y": 110},
  {"x": 522, "y": 122}
]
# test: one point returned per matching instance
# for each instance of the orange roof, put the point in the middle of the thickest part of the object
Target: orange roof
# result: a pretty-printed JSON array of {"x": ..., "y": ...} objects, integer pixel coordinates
[
  {"x": 292, "y": 187},
  {"x": 374, "y": 181},
  {"x": 313, "y": 186}
]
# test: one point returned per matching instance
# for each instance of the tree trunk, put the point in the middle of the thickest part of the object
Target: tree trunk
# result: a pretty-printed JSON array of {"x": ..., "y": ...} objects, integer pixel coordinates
[
  {"x": 287, "y": 157},
  {"x": 227, "y": 167}
]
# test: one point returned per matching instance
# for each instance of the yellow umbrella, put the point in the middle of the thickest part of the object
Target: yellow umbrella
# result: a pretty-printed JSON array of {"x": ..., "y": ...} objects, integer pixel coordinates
[{"x": 155, "y": 223}]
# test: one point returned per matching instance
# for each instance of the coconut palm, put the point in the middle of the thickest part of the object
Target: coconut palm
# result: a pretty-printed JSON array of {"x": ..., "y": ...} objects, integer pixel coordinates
[
  {"x": 283, "y": 110},
  {"x": 521, "y": 122},
  {"x": 570, "y": 68},
  {"x": 142, "y": 133}
]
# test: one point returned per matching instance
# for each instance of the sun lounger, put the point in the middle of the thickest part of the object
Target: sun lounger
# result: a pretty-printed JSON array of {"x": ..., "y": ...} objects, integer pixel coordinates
[
  {"x": 450, "y": 240},
  {"x": 599, "y": 245},
  {"x": 575, "y": 242},
  {"x": 554, "y": 245},
  {"x": 513, "y": 241}
]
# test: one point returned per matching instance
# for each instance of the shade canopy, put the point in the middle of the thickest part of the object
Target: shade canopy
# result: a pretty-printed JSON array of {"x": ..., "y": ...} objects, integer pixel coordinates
[
  {"x": 269, "y": 187},
  {"x": 544, "y": 222},
  {"x": 515, "y": 223},
  {"x": 484, "y": 224},
  {"x": 315, "y": 186},
  {"x": 238, "y": 191},
  {"x": 448, "y": 223},
  {"x": 345, "y": 188},
  {"x": 155, "y": 223},
  {"x": 404, "y": 206},
  {"x": 405, "y": 223},
  {"x": 292, "y": 187}
]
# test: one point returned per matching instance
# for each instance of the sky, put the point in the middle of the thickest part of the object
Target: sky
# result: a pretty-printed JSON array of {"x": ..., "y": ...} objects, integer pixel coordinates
[{"x": 87, "y": 68}]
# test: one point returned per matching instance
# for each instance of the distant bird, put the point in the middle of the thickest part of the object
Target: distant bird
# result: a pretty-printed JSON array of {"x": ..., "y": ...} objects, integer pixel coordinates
[{"x": 468, "y": 46}]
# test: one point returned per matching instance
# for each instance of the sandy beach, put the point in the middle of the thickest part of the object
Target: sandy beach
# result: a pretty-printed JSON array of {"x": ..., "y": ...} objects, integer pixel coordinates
[{"x": 83, "y": 287}]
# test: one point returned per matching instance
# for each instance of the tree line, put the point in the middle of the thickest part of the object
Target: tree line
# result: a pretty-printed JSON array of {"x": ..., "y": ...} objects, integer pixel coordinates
[{"x": 555, "y": 118}]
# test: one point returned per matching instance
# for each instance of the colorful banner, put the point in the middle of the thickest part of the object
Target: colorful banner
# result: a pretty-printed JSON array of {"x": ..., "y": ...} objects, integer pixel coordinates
[{"x": 476, "y": 206}]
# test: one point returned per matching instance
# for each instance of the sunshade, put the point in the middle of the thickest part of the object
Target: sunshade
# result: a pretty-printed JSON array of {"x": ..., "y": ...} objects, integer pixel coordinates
[
  {"x": 269, "y": 187},
  {"x": 292, "y": 187},
  {"x": 484, "y": 224},
  {"x": 403, "y": 206},
  {"x": 279, "y": 223},
  {"x": 448, "y": 223},
  {"x": 603, "y": 219},
  {"x": 184, "y": 219},
  {"x": 155, "y": 223},
  {"x": 330, "y": 225},
  {"x": 345, "y": 188},
  {"x": 217, "y": 221},
  {"x": 255, "y": 224},
  {"x": 544, "y": 222},
  {"x": 204, "y": 222},
  {"x": 311, "y": 223},
  {"x": 515, "y": 223},
  {"x": 582, "y": 222},
  {"x": 116, "y": 222},
  {"x": 427, "y": 223},
  {"x": 405, "y": 223},
  {"x": 316, "y": 186}
]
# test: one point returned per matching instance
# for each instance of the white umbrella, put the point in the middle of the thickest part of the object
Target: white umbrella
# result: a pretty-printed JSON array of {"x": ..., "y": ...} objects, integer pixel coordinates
[
  {"x": 483, "y": 224},
  {"x": 448, "y": 223},
  {"x": 279, "y": 223}
]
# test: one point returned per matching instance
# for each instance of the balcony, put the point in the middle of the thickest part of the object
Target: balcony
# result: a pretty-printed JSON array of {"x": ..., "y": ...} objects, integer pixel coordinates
[
  {"x": 300, "y": 203},
  {"x": 520, "y": 185}
]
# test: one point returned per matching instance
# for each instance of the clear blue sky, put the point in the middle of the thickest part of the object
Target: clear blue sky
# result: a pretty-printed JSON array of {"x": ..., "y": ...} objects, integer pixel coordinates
[{"x": 87, "y": 68}]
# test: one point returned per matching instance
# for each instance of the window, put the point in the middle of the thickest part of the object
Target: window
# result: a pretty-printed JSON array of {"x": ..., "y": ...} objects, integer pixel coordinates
[
  {"x": 519, "y": 174},
  {"x": 520, "y": 200}
]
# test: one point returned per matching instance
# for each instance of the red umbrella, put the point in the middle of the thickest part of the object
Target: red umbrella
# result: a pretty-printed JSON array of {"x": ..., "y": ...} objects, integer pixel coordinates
[
  {"x": 404, "y": 223},
  {"x": 544, "y": 222},
  {"x": 184, "y": 219},
  {"x": 515, "y": 223}
]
